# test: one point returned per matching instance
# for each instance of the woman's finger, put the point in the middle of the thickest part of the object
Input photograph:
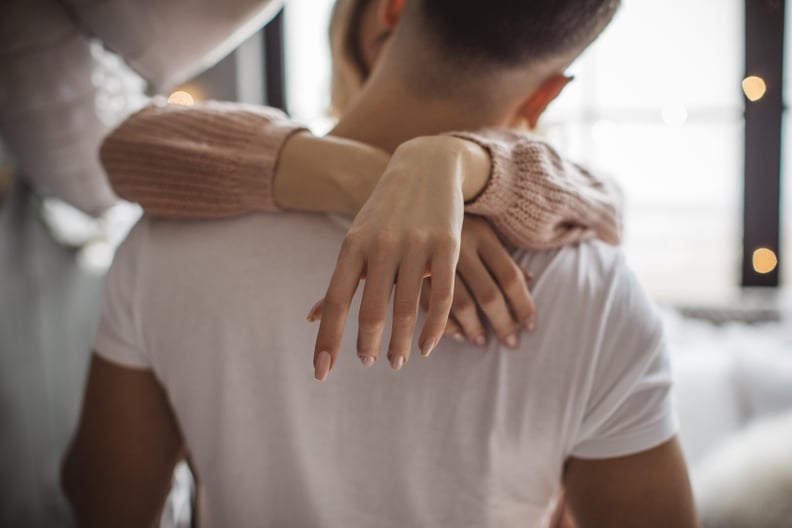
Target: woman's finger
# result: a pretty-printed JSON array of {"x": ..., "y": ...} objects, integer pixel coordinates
[
  {"x": 511, "y": 280},
  {"x": 489, "y": 297},
  {"x": 373, "y": 315},
  {"x": 405, "y": 310},
  {"x": 465, "y": 312},
  {"x": 453, "y": 328},
  {"x": 335, "y": 308},
  {"x": 442, "y": 269}
]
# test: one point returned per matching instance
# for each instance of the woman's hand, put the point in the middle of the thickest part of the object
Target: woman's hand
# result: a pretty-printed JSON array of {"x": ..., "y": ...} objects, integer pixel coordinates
[
  {"x": 488, "y": 283},
  {"x": 487, "y": 279},
  {"x": 410, "y": 228}
]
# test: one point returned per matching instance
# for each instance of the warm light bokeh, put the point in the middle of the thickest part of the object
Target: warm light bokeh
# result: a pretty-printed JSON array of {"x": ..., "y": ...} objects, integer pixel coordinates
[
  {"x": 182, "y": 98},
  {"x": 754, "y": 87},
  {"x": 764, "y": 260}
]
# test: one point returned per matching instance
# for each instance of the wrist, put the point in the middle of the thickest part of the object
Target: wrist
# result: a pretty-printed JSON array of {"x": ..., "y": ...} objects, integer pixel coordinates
[
  {"x": 477, "y": 167},
  {"x": 466, "y": 160},
  {"x": 356, "y": 174},
  {"x": 326, "y": 174}
]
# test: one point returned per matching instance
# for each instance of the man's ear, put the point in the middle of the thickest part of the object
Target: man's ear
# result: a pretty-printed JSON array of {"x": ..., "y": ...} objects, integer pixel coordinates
[
  {"x": 535, "y": 106},
  {"x": 390, "y": 11}
]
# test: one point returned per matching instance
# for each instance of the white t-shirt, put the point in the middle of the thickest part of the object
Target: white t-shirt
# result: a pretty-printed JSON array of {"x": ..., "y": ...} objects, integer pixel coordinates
[{"x": 464, "y": 438}]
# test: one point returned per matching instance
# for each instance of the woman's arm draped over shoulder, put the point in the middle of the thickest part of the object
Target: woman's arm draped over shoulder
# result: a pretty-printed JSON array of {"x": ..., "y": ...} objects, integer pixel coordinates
[
  {"x": 536, "y": 199},
  {"x": 221, "y": 159},
  {"x": 208, "y": 160}
]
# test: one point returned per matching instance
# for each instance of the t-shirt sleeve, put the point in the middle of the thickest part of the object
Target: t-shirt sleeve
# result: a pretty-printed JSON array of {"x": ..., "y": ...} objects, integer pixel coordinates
[
  {"x": 119, "y": 338},
  {"x": 629, "y": 406}
]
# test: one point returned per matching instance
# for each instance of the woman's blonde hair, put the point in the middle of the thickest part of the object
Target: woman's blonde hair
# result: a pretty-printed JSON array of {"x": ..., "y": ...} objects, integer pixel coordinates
[{"x": 348, "y": 69}]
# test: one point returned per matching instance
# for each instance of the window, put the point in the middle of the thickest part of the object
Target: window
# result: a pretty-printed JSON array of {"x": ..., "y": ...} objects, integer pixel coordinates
[
  {"x": 308, "y": 61},
  {"x": 657, "y": 103}
]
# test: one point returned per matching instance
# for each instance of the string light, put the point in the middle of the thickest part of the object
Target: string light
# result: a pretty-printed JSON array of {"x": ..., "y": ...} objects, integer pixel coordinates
[
  {"x": 764, "y": 260},
  {"x": 180, "y": 97},
  {"x": 754, "y": 87}
]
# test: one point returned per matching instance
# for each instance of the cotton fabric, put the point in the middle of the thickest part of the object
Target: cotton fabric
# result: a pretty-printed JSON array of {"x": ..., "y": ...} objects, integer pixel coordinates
[{"x": 464, "y": 438}]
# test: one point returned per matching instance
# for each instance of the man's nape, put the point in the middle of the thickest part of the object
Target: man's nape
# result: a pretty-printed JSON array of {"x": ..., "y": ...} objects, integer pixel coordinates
[{"x": 436, "y": 75}]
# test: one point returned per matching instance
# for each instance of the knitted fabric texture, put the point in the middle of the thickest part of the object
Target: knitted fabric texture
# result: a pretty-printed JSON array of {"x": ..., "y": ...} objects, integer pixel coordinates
[
  {"x": 210, "y": 160},
  {"x": 537, "y": 200},
  {"x": 220, "y": 159}
]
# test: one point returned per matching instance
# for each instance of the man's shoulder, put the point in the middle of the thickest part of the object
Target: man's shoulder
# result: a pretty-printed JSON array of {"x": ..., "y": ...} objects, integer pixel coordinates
[
  {"x": 600, "y": 319},
  {"x": 256, "y": 228},
  {"x": 585, "y": 270},
  {"x": 189, "y": 253},
  {"x": 591, "y": 286}
]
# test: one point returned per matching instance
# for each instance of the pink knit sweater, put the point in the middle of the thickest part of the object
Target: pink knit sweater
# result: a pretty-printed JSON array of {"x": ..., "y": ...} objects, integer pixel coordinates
[{"x": 219, "y": 159}]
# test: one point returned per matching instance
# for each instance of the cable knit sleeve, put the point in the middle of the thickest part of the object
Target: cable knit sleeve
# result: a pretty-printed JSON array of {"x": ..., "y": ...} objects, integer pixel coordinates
[
  {"x": 208, "y": 160},
  {"x": 536, "y": 200}
]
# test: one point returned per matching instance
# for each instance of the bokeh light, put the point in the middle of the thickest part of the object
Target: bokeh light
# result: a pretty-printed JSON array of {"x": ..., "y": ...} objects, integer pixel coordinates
[
  {"x": 180, "y": 97},
  {"x": 754, "y": 87},
  {"x": 764, "y": 260}
]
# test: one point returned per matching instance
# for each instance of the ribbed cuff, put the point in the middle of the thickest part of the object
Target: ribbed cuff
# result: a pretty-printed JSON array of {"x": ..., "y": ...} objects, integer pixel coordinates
[
  {"x": 535, "y": 199},
  {"x": 492, "y": 200},
  {"x": 258, "y": 163},
  {"x": 515, "y": 202}
]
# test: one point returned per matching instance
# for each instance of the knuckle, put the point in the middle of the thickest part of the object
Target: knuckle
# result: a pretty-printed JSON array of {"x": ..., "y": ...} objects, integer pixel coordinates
[
  {"x": 384, "y": 242},
  {"x": 416, "y": 239},
  {"x": 445, "y": 241},
  {"x": 334, "y": 302},
  {"x": 404, "y": 318},
  {"x": 463, "y": 305},
  {"x": 371, "y": 322},
  {"x": 510, "y": 278},
  {"x": 443, "y": 296},
  {"x": 489, "y": 298},
  {"x": 352, "y": 241}
]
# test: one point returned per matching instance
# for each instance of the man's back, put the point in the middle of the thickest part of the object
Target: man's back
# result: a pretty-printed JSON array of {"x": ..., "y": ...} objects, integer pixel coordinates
[{"x": 467, "y": 437}]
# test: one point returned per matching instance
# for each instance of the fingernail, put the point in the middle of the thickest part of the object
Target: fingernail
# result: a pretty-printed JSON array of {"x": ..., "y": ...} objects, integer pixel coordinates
[
  {"x": 530, "y": 323},
  {"x": 457, "y": 336},
  {"x": 511, "y": 341},
  {"x": 367, "y": 360},
  {"x": 322, "y": 365},
  {"x": 428, "y": 346},
  {"x": 397, "y": 363},
  {"x": 480, "y": 341},
  {"x": 313, "y": 315}
]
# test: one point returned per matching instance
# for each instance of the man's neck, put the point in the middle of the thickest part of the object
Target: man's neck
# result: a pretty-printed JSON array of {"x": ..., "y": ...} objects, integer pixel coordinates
[{"x": 386, "y": 115}]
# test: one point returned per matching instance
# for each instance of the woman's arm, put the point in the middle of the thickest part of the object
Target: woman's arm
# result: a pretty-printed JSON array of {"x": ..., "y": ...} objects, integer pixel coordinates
[
  {"x": 337, "y": 175},
  {"x": 222, "y": 159},
  {"x": 208, "y": 160}
]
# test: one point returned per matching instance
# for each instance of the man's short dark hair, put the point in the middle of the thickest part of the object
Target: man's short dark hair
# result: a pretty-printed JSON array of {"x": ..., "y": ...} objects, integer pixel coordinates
[{"x": 511, "y": 32}]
